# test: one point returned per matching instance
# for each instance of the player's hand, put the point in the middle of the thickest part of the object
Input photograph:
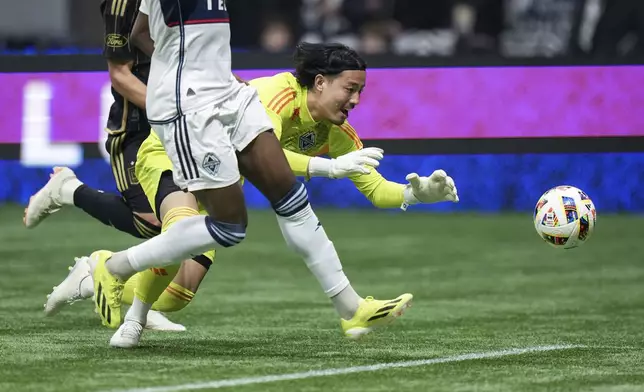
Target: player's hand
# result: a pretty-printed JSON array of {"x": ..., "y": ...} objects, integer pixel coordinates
[
  {"x": 356, "y": 162},
  {"x": 433, "y": 189}
]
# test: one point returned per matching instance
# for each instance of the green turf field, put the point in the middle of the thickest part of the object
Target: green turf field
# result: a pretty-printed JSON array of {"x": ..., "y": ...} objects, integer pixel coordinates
[{"x": 482, "y": 283}]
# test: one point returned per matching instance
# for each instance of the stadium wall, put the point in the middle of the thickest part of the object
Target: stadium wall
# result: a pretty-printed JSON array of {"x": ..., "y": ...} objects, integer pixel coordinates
[{"x": 506, "y": 131}]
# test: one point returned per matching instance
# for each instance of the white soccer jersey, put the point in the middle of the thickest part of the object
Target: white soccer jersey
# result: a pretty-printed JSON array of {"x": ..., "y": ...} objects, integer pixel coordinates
[{"x": 191, "y": 64}]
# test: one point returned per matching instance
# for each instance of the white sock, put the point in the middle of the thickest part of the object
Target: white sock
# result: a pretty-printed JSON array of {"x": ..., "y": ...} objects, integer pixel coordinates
[
  {"x": 304, "y": 234},
  {"x": 138, "y": 311},
  {"x": 346, "y": 302},
  {"x": 119, "y": 265},
  {"x": 67, "y": 190},
  {"x": 185, "y": 239}
]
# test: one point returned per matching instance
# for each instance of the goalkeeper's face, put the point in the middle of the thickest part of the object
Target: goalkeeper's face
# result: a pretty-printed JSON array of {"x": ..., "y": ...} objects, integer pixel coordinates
[{"x": 340, "y": 94}]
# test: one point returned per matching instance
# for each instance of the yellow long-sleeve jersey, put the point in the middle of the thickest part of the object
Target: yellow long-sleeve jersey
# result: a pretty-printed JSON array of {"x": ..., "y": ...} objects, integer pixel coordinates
[{"x": 302, "y": 137}]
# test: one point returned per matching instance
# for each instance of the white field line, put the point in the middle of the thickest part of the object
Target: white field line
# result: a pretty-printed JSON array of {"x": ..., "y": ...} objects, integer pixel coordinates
[{"x": 235, "y": 382}]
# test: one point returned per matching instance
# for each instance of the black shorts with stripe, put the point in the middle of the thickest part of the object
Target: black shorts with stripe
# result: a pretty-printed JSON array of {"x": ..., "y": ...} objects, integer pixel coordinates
[{"x": 123, "y": 148}]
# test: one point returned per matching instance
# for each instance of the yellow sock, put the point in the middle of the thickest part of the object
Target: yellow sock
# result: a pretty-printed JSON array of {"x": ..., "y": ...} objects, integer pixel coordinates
[
  {"x": 174, "y": 298},
  {"x": 153, "y": 282},
  {"x": 128, "y": 290}
]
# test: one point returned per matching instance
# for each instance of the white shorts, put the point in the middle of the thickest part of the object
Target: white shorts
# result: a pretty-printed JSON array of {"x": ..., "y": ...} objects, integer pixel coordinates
[{"x": 202, "y": 145}]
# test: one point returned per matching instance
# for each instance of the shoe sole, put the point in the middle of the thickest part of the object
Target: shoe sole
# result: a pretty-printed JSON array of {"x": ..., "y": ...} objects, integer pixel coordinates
[
  {"x": 124, "y": 345},
  {"x": 165, "y": 329},
  {"x": 356, "y": 333},
  {"x": 167, "y": 326}
]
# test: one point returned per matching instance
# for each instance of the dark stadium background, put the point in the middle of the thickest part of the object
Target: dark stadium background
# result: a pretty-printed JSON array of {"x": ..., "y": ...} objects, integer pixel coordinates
[{"x": 493, "y": 174}]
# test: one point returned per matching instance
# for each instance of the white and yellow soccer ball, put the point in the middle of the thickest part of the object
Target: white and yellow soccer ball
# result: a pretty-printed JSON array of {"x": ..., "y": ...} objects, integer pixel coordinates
[{"x": 565, "y": 217}]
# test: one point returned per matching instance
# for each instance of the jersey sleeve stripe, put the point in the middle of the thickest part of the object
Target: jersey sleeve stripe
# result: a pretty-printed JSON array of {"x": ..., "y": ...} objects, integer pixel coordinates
[
  {"x": 285, "y": 97},
  {"x": 279, "y": 96},
  {"x": 284, "y": 102},
  {"x": 348, "y": 129},
  {"x": 352, "y": 132}
]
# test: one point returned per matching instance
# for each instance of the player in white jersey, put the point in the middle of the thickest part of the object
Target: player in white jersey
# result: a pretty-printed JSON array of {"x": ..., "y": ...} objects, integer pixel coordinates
[
  {"x": 191, "y": 67},
  {"x": 214, "y": 128}
]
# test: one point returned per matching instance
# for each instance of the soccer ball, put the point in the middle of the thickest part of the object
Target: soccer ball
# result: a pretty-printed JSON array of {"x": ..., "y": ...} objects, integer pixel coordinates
[{"x": 565, "y": 217}]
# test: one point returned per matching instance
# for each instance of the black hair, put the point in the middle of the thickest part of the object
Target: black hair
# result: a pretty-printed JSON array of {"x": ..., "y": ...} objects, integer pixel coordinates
[{"x": 324, "y": 59}]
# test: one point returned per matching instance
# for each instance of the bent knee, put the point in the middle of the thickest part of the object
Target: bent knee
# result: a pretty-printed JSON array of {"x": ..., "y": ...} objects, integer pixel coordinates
[
  {"x": 177, "y": 214},
  {"x": 144, "y": 228},
  {"x": 149, "y": 218},
  {"x": 226, "y": 234}
]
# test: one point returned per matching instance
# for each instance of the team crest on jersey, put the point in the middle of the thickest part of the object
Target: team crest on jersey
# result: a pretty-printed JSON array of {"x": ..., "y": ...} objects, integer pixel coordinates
[
  {"x": 211, "y": 163},
  {"x": 115, "y": 41},
  {"x": 307, "y": 141},
  {"x": 131, "y": 173}
]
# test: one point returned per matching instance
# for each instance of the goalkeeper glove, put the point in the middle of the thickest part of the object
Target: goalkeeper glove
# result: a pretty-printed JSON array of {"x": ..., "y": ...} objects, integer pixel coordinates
[
  {"x": 355, "y": 162},
  {"x": 433, "y": 189}
]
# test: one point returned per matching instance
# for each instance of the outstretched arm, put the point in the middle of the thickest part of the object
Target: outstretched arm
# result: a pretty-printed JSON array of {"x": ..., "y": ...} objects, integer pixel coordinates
[{"x": 383, "y": 193}]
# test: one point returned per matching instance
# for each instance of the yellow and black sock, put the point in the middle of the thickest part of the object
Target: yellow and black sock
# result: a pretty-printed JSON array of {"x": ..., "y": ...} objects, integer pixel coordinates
[
  {"x": 153, "y": 282},
  {"x": 174, "y": 298}
]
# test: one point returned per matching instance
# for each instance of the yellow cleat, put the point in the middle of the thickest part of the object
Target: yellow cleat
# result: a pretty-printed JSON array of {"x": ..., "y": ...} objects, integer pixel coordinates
[
  {"x": 108, "y": 291},
  {"x": 373, "y": 313}
]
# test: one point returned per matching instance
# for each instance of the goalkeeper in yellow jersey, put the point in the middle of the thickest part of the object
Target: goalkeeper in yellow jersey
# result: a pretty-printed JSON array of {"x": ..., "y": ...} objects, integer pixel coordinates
[{"x": 309, "y": 110}]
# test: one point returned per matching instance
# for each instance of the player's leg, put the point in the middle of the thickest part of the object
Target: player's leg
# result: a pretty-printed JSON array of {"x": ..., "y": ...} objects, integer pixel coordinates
[
  {"x": 188, "y": 280},
  {"x": 261, "y": 163},
  {"x": 142, "y": 289},
  {"x": 181, "y": 291},
  {"x": 215, "y": 180},
  {"x": 176, "y": 296},
  {"x": 78, "y": 285},
  {"x": 155, "y": 185},
  {"x": 124, "y": 156},
  {"x": 264, "y": 164},
  {"x": 154, "y": 288},
  {"x": 152, "y": 282},
  {"x": 131, "y": 212},
  {"x": 64, "y": 189},
  {"x": 149, "y": 169}
]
